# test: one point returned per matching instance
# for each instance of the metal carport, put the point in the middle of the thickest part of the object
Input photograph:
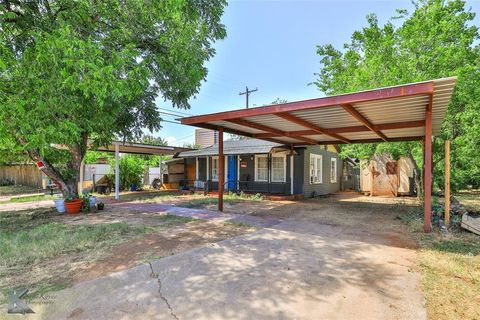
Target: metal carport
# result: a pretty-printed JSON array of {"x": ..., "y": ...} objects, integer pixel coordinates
[
  {"x": 406, "y": 112},
  {"x": 136, "y": 148}
]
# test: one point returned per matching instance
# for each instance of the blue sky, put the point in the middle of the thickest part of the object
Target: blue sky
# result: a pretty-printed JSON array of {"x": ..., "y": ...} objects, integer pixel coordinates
[{"x": 272, "y": 45}]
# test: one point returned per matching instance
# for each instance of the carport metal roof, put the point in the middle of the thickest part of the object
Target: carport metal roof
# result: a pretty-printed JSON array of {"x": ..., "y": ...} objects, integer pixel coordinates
[
  {"x": 395, "y": 113},
  {"x": 140, "y": 148},
  {"x": 127, "y": 147},
  {"x": 406, "y": 112}
]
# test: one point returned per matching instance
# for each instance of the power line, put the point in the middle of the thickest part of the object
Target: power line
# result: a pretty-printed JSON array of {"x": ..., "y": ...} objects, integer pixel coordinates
[
  {"x": 247, "y": 94},
  {"x": 170, "y": 121},
  {"x": 186, "y": 137},
  {"x": 173, "y": 111},
  {"x": 171, "y": 114}
]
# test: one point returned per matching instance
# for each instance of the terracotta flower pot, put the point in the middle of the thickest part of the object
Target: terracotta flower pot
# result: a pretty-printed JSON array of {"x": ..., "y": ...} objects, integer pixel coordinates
[{"x": 73, "y": 206}]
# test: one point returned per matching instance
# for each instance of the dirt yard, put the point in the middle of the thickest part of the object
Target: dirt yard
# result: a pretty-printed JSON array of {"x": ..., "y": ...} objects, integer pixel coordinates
[
  {"x": 335, "y": 257},
  {"x": 54, "y": 262},
  {"x": 348, "y": 233}
]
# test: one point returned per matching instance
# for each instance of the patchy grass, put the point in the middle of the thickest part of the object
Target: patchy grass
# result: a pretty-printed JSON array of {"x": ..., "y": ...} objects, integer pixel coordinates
[
  {"x": 451, "y": 270},
  {"x": 14, "y": 221},
  {"x": 15, "y": 190},
  {"x": 33, "y": 198},
  {"x": 470, "y": 199},
  {"x": 151, "y": 197},
  {"x": 200, "y": 202},
  {"x": 45, "y": 251},
  {"x": 231, "y": 198},
  {"x": 170, "y": 220},
  {"x": 29, "y": 239},
  {"x": 237, "y": 224},
  {"x": 24, "y": 247}
]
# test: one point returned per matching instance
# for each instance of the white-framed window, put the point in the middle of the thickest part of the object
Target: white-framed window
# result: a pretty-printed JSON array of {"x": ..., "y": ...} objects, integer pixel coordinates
[
  {"x": 279, "y": 168},
  {"x": 315, "y": 168},
  {"x": 261, "y": 167},
  {"x": 214, "y": 168},
  {"x": 333, "y": 170}
]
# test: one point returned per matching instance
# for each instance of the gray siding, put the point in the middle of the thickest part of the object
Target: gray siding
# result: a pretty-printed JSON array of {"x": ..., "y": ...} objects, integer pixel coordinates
[
  {"x": 247, "y": 177},
  {"x": 202, "y": 169},
  {"x": 326, "y": 186},
  {"x": 301, "y": 174},
  {"x": 298, "y": 168}
]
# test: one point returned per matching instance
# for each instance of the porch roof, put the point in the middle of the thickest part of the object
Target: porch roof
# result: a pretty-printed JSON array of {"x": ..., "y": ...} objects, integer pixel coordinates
[
  {"x": 230, "y": 147},
  {"x": 139, "y": 148},
  {"x": 395, "y": 113}
]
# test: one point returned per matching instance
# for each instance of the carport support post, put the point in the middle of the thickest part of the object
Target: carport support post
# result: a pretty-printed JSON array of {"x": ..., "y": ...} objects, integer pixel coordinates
[
  {"x": 160, "y": 175},
  {"x": 291, "y": 171},
  {"x": 447, "y": 183},
  {"x": 117, "y": 174},
  {"x": 221, "y": 171},
  {"x": 196, "y": 168},
  {"x": 427, "y": 163}
]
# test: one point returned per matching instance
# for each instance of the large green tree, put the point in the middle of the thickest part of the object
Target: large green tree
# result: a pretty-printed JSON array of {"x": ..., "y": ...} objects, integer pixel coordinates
[
  {"x": 437, "y": 39},
  {"x": 73, "y": 71}
]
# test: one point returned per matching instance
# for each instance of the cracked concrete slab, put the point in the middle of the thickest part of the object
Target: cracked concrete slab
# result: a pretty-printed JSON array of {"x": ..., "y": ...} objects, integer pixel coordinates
[
  {"x": 155, "y": 275},
  {"x": 204, "y": 214},
  {"x": 286, "y": 272},
  {"x": 334, "y": 258}
]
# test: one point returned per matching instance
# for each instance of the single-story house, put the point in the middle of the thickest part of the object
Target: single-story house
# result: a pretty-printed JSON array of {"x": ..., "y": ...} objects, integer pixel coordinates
[{"x": 254, "y": 165}]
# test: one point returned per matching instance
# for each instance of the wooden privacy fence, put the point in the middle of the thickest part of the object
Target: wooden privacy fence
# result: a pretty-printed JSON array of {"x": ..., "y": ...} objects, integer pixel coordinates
[{"x": 25, "y": 175}]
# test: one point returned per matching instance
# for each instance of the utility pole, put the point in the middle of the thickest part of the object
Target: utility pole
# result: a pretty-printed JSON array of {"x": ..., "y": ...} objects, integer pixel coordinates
[{"x": 247, "y": 94}]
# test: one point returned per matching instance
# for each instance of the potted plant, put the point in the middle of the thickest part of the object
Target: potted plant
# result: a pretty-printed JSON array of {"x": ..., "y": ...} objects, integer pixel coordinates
[
  {"x": 73, "y": 205},
  {"x": 90, "y": 199}
]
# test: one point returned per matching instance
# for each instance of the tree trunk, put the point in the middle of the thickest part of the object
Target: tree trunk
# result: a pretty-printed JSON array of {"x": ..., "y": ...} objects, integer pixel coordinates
[
  {"x": 67, "y": 183},
  {"x": 417, "y": 174},
  {"x": 50, "y": 171}
]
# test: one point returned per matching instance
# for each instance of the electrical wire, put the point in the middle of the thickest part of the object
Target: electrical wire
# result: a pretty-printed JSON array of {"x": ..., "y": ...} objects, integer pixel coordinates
[
  {"x": 170, "y": 121},
  {"x": 177, "y": 112}
]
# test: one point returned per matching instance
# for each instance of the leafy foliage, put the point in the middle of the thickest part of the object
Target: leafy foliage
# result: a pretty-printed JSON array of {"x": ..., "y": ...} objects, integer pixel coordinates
[
  {"x": 192, "y": 145},
  {"x": 437, "y": 39},
  {"x": 132, "y": 168},
  {"x": 91, "y": 157},
  {"x": 156, "y": 141},
  {"x": 71, "y": 71},
  {"x": 154, "y": 160}
]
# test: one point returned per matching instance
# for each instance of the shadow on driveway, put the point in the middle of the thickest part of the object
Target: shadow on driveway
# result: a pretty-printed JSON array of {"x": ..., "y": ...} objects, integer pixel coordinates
[{"x": 327, "y": 259}]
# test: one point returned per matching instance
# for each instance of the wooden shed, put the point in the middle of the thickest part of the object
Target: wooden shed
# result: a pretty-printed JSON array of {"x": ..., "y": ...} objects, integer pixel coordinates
[{"x": 387, "y": 177}]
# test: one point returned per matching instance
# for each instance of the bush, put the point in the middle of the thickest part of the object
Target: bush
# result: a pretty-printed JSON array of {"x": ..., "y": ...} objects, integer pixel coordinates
[
  {"x": 131, "y": 171},
  {"x": 6, "y": 182}
]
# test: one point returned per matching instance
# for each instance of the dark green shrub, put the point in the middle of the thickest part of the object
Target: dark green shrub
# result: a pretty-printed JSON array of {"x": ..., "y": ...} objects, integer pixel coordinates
[{"x": 131, "y": 171}]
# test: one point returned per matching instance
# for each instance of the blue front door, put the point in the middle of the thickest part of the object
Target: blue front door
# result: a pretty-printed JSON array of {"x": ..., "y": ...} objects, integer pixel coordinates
[{"x": 232, "y": 173}]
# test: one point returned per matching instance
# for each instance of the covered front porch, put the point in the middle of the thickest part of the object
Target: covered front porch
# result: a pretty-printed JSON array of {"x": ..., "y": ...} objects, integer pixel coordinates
[{"x": 249, "y": 166}]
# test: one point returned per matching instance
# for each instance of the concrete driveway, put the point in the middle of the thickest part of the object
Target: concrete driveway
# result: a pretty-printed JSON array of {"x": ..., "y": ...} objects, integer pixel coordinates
[{"x": 309, "y": 266}]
